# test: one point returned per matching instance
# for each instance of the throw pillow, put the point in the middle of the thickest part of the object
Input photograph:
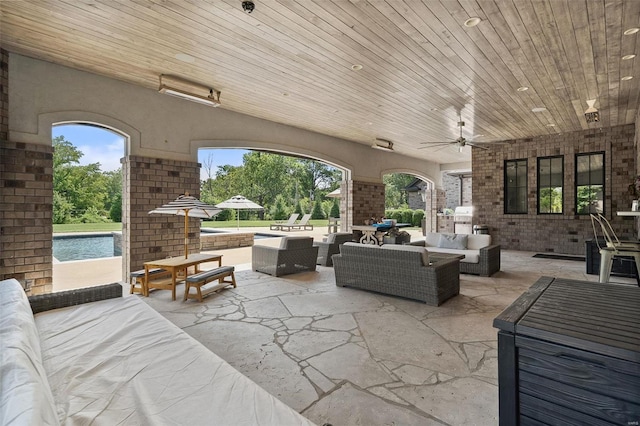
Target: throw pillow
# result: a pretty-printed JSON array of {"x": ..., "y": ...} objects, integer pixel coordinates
[{"x": 453, "y": 241}]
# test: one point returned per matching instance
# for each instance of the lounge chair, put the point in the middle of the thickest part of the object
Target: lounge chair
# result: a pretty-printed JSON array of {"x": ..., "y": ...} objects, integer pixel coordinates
[
  {"x": 303, "y": 224},
  {"x": 292, "y": 220}
]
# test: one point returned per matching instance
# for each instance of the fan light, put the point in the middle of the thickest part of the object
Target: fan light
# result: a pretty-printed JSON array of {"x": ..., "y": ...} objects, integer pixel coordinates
[
  {"x": 591, "y": 114},
  {"x": 383, "y": 144},
  {"x": 178, "y": 87}
]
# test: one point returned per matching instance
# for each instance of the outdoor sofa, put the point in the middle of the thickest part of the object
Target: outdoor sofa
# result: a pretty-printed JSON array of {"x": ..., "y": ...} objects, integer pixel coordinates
[
  {"x": 330, "y": 246},
  {"x": 116, "y": 361},
  {"x": 480, "y": 257},
  {"x": 398, "y": 270}
]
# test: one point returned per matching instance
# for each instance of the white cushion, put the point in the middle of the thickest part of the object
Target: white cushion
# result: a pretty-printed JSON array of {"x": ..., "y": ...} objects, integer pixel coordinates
[
  {"x": 470, "y": 256},
  {"x": 423, "y": 251},
  {"x": 478, "y": 241},
  {"x": 453, "y": 241},
  {"x": 26, "y": 398},
  {"x": 118, "y": 361}
]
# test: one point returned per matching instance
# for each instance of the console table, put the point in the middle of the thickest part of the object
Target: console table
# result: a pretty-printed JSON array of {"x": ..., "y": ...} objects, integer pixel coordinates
[{"x": 569, "y": 353}]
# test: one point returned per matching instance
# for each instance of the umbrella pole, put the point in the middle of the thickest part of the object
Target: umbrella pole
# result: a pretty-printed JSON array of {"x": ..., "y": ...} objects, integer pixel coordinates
[
  {"x": 238, "y": 219},
  {"x": 186, "y": 234}
]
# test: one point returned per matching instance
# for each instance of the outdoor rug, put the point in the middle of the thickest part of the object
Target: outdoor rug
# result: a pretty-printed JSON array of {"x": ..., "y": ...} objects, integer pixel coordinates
[{"x": 559, "y": 257}]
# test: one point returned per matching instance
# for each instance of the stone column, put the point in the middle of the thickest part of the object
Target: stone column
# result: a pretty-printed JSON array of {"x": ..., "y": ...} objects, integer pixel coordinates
[
  {"x": 363, "y": 200},
  {"x": 149, "y": 183}
]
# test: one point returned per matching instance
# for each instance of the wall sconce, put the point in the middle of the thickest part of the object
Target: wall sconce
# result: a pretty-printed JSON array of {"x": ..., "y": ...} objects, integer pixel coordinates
[
  {"x": 195, "y": 92},
  {"x": 383, "y": 144}
]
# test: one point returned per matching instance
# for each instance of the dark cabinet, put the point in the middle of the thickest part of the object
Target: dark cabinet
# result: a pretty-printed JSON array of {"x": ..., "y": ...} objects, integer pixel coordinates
[
  {"x": 569, "y": 354},
  {"x": 622, "y": 266}
]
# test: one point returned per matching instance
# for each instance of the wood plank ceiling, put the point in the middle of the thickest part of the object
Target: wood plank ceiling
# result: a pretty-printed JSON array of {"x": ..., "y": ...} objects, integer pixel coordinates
[{"x": 291, "y": 61}]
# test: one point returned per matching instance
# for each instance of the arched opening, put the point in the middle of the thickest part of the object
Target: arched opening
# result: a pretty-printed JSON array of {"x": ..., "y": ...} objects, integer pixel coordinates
[{"x": 87, "y": 204}]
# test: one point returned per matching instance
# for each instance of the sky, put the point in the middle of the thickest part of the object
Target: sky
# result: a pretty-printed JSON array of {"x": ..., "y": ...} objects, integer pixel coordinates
[{"x": 106, "y": 147}]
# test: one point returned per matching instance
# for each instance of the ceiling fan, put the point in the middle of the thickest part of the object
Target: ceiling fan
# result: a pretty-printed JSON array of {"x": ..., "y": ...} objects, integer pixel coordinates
[{"x": 459, "y": 143}]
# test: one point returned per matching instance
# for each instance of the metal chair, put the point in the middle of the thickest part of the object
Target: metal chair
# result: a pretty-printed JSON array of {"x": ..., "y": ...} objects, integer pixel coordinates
[{"x": 614, "y": 248}]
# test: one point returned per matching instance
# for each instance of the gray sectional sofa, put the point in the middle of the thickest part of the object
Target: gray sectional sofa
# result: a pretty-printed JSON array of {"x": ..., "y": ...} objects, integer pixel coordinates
[{"x": 397, "y": 270}]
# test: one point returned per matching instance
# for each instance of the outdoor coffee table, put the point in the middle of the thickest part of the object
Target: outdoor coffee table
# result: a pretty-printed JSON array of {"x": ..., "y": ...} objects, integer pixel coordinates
[{"x": 174, "y": 265}]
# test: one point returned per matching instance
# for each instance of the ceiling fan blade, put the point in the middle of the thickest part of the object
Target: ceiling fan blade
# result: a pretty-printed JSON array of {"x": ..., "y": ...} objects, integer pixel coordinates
[
  {"x": 435, "y": 144},
  {"x": 476, "y": 145}
]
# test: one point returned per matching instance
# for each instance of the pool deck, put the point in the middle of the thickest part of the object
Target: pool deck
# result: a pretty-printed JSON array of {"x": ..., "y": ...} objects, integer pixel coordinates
[{"x": 82, "y": 273}]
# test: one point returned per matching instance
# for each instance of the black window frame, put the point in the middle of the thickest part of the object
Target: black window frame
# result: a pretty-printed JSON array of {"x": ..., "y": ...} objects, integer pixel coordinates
[
  {"x": 552, "y": 157},
  {"x": 526, "y": 185},
  {"x": 604, "y": 175}
]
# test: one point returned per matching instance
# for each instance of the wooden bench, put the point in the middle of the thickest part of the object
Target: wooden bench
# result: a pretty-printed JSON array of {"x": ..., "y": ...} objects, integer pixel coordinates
[
  {"x": 137, "y": 279},
  {"x": 201, "y": 278}
]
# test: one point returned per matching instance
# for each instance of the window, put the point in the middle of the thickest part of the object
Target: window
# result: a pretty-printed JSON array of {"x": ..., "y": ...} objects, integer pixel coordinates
[
  {"x": 590, "y": 183},
  {"x": 515, "y": 186},
  {"x": 550, "y": 185}
]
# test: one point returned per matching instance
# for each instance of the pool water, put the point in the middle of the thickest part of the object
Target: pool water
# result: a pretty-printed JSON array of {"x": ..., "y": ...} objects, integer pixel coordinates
[{"x": 78, "y": 247}]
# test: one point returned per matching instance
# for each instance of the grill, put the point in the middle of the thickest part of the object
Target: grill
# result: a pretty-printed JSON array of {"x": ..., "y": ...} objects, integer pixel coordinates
[{"x": 462, "y": 219}]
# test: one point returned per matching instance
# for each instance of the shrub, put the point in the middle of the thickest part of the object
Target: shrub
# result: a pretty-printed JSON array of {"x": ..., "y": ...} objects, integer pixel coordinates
[
  {"x": 407, "y": 216},
  {"x": 317, "y": 212},
  {"x": 418, "y": 215},
  {"x": 396, "y": 215},
  {"x": 62, "y": 209},
  {"x": 335, "y": 209},
  {"x": 278, "y": 211},
  {"x": 224, "y": 215},
  {"x": 115, "y": 212},
  {"x": 93, "y": 215},
  {"x": 299, "y": 209}
]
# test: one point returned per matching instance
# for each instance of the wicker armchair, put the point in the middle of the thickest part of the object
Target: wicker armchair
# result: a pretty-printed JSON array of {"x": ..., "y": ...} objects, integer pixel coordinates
[
  {"x": 295, "y": 254},
  {"x": 330, "y": 246}
]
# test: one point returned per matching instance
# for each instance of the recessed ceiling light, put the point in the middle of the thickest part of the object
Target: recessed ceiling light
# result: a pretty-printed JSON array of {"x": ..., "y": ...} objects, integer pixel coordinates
[
  {"x": 185, "y": 58},
  {"x": 626, "y": 77},
  {"x": 433, "y": 109},
  {"x": 356, "y": 67},
  {"x": 551, "y": 125},
  {"x": 627, "y": 57},
  {"x": 538, "y": 109},
  {"x": 631, "y": 31},
  {"x": 472, "y": 22},
  {"x": 522, "y": 88},
  {"x": 285, "y": 94},
  {"x": 369, "y": 123}
]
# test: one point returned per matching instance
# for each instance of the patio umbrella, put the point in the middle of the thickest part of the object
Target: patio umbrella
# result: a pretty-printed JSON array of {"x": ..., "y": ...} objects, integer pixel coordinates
[
  {"x": 187, "y": 206},
  {"x": 334, "y": 194},
  {"x": 239, "y": 203}
]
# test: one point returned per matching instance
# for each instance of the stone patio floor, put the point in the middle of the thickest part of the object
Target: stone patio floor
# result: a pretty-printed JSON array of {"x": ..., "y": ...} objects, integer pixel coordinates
[{"x": 349, "y": 357}]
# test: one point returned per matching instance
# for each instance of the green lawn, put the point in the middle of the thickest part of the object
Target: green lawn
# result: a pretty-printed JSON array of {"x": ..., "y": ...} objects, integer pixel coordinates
[{"x": 104, "y": 227}]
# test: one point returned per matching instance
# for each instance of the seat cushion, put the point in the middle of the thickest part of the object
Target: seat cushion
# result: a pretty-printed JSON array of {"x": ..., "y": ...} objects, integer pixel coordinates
[
  {"x": 26, "y": 397},
  {"x": 470, "y": 256}
]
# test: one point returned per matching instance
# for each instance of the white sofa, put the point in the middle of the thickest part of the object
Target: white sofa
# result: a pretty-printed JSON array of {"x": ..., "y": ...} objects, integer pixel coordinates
[
  {"x": 116, "y": 361},
  {"x": 480, "y": 257}
]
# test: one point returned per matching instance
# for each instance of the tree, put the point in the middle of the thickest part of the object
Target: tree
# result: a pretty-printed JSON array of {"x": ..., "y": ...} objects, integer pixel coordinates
[
  {"x": 335, "y": 209},
  {"x": 267, "y": 175},
  {"x": 394, "y": 196},
  {"x": 317, "y": 212}
]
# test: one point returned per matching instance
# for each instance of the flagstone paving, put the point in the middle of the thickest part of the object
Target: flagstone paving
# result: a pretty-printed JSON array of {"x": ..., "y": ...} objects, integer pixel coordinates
[{"x": 349, "y": 357}]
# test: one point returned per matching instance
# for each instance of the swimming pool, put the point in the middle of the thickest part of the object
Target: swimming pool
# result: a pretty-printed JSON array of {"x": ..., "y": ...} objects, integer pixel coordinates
[
  {"x": 80, "y": 247},
  {"x": 256, "y": 235}
]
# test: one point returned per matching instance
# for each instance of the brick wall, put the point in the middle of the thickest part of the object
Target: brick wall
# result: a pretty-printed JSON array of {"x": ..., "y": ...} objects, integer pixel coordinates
[
  {"x": 150, "y": 183},
  {"x": 564, "y": 233},
  {"x": 4, "y": 95},
  {"x": 26, "y": 191}
]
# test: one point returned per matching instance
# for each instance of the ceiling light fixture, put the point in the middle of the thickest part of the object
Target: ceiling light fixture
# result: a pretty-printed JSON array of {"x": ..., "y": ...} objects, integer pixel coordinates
[
  {"x": 383, "y": 144},
  {"x": 538, "y": 109},
  {"x": 591, "y": 114},
  {"x": 472, "y": 22},
  {"x": 627, "y": 57},
  {"x": 356, "y": 67},
  {"x": 522, "y": 88},
  {"x": 626, "y": 77},
  {"x": 631, "y": 31},
  {"x": 195, "y": 92}
]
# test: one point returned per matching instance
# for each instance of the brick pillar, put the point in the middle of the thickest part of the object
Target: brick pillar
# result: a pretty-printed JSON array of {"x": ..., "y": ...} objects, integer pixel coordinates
[
  {"x": 364, "y": 199},
  {"x": 435, "y": 199},
  {"x": 26, "y": 230},
  {"x": 26, "y": 203},
  {"x": 149, "y": 183}
]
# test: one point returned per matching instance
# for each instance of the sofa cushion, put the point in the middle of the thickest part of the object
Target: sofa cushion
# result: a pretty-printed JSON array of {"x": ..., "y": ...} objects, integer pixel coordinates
[
  {"x": 478, "y": 241},
  {"x": 453, "y": 241},
  {"x": 470, "y": 256},
  {"x": 423, "y": 251},
  {"x": 26, "y": 398}
]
